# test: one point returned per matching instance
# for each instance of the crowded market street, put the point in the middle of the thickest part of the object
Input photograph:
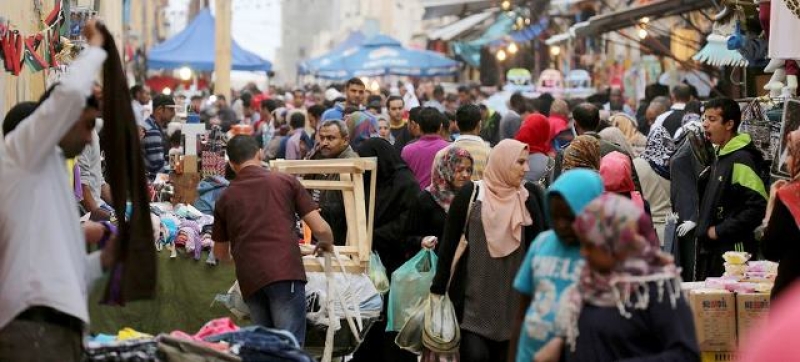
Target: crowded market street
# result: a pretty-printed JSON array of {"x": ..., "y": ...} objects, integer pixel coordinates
[{"x": 387, "y": 180}]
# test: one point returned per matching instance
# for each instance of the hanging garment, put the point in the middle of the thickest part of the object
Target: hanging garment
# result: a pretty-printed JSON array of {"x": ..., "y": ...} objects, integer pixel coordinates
[{"x": 783, "y": 22}]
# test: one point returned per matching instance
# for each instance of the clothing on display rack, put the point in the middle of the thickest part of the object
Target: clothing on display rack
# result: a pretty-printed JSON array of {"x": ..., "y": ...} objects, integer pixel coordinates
[{"x": 782, "y": 23}]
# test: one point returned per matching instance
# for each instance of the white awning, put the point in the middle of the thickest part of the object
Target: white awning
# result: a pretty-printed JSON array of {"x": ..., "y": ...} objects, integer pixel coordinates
[
  {"x": 439, "y": 8},
  {"x": 558, "y": 39},
  {"x": 566, "y": 36},
  {"x": 453, "y": 30}
]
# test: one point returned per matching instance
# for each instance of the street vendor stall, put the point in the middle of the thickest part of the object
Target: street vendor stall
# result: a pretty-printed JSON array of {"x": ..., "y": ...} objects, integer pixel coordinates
[
  {"x": 342, "y": 300},
  {"x": 355, "y": 254},
  {"x": 725, "y": 309}
]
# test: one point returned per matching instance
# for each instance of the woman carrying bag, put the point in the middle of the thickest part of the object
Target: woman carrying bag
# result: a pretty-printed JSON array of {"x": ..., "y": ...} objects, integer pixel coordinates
[
  {"x": 395, "y": 191},
  {"x": 429, "y": 211},
  {"x": 498, "y": 218}
]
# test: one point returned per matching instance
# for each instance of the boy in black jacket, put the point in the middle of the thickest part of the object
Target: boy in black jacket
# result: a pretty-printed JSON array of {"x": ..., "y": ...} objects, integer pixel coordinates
[{"x": 735, "y": 199}]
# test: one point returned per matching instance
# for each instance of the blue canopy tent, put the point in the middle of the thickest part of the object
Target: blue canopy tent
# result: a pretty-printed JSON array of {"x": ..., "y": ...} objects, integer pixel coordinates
[
  {"x": 194, "y": 47},
  {"x": 353, "y": 40},
  {"x": 383, "y": 55}
]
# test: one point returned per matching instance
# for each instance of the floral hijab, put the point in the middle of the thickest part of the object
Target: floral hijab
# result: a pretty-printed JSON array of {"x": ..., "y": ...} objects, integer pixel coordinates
[
  {"x": 444, "y": 172},
  {"x": 615, "y": 224},
  {"x": 582, "y": 152}
]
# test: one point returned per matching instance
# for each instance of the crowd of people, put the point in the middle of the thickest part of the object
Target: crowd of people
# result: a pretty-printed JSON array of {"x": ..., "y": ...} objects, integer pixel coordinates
[{"x": 563, "y": 206}]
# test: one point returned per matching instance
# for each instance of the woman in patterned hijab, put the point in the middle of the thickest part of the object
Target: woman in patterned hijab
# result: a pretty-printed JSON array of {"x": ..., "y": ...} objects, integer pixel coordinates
[
  {"x": 444, "y": 185},
  {"x": 626, "y": 273},
  {"x": 659, "y": 149},
  {"x": 428, "y": 212},
  {"x": 582, "y": 152}
]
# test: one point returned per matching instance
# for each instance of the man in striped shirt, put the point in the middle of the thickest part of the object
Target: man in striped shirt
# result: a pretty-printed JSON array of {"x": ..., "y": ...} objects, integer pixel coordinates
[{"x": 156, "y": 142}]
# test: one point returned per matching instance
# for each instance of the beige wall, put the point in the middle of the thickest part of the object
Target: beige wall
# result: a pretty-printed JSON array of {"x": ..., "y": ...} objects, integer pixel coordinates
[
  {"x": 29, "y": 86},
  {"x": 26, "y": 86}
]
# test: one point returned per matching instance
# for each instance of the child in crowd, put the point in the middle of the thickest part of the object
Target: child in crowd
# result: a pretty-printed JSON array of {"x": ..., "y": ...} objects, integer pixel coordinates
[{"x": 552, "y": 264}]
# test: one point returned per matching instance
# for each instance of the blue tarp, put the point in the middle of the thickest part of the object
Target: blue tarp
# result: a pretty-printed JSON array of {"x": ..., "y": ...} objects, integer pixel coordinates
[
  {"x": 194, "y": 47},
  {"x": 384, "y": 55},
  {"x": 470, "y": 51},
  {"x": 353, "y": 40},
  {"x": 531, "y": 31}
]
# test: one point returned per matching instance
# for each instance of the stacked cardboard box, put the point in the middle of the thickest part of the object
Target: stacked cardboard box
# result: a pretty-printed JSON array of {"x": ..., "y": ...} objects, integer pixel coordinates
[
  {"x": 714, "y": 313},
  {"x": 751, "y": 309},
  {"x": 723, "y": 319}
]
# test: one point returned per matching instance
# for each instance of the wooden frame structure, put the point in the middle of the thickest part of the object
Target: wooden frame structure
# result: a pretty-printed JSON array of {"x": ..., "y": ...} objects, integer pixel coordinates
[{"x": 360, "y": 217}]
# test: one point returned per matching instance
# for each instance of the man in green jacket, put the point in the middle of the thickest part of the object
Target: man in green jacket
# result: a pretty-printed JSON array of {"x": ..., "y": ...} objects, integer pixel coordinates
[{"x": 735, "y": 198}]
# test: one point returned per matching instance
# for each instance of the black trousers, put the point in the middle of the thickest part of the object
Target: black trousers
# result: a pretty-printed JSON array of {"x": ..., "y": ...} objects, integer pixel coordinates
[
  {"x": 476, "y": 348},
  {"x": 42, "y": 334},
  {"x": 379, "y": 345}
]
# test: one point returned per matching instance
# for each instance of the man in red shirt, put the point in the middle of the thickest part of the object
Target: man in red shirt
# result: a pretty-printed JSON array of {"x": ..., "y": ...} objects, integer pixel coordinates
[{"x": 254, "y": 220}]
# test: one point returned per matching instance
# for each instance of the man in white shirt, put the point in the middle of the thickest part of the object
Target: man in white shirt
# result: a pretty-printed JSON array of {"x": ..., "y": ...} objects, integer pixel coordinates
[
  {"x": 92, "y": 180},
  {"x": 672, "y": 120},
  {"x": 141, "y": 99},
  {"x": 46, "y": 275}
]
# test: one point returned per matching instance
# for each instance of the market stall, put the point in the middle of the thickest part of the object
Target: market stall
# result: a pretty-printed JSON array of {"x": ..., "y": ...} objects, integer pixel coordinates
[
  {"x": 725, "y": 309},
  {"x": 193, "y": 295}
]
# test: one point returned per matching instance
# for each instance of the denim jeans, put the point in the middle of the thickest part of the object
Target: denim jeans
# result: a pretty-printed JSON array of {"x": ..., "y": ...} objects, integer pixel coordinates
[
  {"x": 280, "y": 305},
  {"x": 256, "y": 343}
]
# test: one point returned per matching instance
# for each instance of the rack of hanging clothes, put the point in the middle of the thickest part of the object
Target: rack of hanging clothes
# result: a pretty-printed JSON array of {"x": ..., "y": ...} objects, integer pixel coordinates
[{"x": 767, "y": 121}]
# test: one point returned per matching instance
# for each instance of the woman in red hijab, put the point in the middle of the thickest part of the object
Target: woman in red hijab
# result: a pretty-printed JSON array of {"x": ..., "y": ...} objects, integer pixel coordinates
[{"x": 535, "y": 132}]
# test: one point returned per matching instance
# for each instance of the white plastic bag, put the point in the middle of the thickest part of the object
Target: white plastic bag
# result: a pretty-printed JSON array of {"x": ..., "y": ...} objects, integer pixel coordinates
[
  {"x": 377, "y": 273},
  {"x": 441, "y": 333},
  {"x": 356, "y": 290},
  {"x": 410, "y": 336},
  {"x": 234, "y": 301}
]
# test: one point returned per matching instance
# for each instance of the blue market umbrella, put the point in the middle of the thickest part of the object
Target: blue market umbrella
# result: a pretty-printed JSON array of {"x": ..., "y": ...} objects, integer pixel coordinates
[
  {"x": 191, "y": 47},
  {"x": 384, "y": 55},
  {"x": 309, "y": 66}
]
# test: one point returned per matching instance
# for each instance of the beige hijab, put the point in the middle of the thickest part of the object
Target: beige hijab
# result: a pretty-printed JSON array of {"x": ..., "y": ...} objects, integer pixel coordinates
[
  {"x": 503, "y": 210},
  {"x": 627, "y": 125}
]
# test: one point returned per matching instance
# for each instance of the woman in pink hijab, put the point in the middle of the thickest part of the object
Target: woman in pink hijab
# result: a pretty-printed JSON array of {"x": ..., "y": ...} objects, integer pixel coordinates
[{"x": 499, "y": 217}]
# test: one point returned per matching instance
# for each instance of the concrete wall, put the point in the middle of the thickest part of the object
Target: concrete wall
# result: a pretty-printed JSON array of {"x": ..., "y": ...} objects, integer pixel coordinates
[{"x": 306, "y": 26}]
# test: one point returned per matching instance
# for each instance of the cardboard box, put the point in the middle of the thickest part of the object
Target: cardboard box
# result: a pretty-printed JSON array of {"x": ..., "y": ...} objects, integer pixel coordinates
[
  {"x": 751, "y": 309},
  {"x": 714, "y": 315},
  {"x": 717, "y": 357},
  {"x": 189, "y": 164}
]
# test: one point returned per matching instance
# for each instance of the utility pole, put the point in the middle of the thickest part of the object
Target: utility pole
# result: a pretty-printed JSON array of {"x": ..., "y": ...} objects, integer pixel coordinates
[{"x": 222, "y": 41}]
